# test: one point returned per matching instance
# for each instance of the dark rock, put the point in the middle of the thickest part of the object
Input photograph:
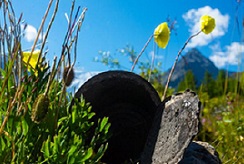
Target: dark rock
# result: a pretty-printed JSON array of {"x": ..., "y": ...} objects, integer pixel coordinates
[
  {"x": 176, "y": 123},
  {"x": 200, "y": 153}
]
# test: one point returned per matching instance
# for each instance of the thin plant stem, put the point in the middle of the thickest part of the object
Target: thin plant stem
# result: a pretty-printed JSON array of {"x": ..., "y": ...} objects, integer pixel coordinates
[
  {"x": 152, "y": 62},
  {"x": 176, "y": 60},
  {"x": 48, "y": 29},
  {"x": 39, "y": 30},
  {"x": 51, "y": 77},
  {"x": 143, "y": 49},
  {"x": 69, "y": 24},
  {"x": 9, "y": 110}
]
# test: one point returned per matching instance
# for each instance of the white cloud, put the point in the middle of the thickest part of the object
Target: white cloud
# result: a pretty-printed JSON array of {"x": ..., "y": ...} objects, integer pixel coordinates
[
  {"x": 81, "y": 77},
  {"x": 30, "y": 33},
  {"x": 230, "y": 56},
  {"x": 192, "y": 18}
]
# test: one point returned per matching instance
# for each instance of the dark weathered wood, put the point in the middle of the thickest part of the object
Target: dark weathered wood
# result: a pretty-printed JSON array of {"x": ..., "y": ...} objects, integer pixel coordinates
[
  {"x": 130, "y": 102},
  {"x": 175, "y": 124}
]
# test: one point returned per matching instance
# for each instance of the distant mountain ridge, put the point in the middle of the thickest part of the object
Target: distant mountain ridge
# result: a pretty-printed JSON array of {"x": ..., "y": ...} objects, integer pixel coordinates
[{"x": 196, "y": 62}]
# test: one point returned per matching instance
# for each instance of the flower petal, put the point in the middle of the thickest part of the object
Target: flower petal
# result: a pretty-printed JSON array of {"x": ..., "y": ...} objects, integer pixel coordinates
[
  {"x": 161, "y": 35},
  {"x": 33, "y": 60},
  {"x": 207, "y": 24}
]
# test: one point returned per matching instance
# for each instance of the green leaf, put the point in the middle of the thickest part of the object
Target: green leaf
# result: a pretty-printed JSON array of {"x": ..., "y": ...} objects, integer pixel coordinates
[
  {"x": 45, "y": 148},
  {"x": 62, "y": 121},
  {"x": 72, "y": 150},
  {"x": 25, "y": 127},
  {"x": 3, "y": 145},
  {"x": 19, "y": 129},
  {"x": 56, "y": 144},
  {"x": 73, "y": 116},
  {"x": 71, "y": 160},
  {"x": 100, "y": 152},
  {"x": 20, "y": 150},
  {"x": 103, "y": 123},
  {"x": 107, "y": 127},
  {"x": 87, "y": 155},
  {"x": 90, "y": 115}
]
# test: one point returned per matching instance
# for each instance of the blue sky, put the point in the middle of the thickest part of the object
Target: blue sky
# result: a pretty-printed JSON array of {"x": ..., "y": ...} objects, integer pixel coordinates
[{"x": 112, "y": 24}]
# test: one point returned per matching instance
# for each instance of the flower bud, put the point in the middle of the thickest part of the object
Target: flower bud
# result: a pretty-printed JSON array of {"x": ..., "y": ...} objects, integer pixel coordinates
[
  {"x": 68, "y": 75},
  {"x": 40, "y": 108}
]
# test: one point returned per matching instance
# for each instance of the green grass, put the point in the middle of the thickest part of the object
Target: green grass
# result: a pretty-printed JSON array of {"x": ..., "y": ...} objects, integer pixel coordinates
[{"x": 223, "y": 126}]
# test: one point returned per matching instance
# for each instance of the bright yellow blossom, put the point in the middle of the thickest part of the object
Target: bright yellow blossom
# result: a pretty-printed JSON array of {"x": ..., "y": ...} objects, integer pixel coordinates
[
  {"x": 207, "y": 24},
  {"x": 161, "y": 35},
  {"x": 33, "y": 60}
]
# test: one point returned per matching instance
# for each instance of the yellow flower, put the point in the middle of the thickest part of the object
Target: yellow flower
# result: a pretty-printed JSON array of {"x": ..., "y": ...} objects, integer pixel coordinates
[
  {"x": 207, "y": 24},
  {"x": 241, "y": 138},
  {"x": 161, "y": 35},
  {"x": 33, "y": 60}
]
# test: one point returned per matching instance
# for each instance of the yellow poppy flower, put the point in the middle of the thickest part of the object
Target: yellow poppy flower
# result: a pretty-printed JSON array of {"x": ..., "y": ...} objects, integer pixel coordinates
[
  {"x": 33, "y": 60},
  {"x": 161, "y": 35},
  {"x": 207, "y": 24}
]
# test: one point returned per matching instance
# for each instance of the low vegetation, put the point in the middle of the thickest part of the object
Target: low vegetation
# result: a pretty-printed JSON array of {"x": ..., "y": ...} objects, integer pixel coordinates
[
  {"x": 39, "y": 125},
  {"x": 37, "y": 122}
]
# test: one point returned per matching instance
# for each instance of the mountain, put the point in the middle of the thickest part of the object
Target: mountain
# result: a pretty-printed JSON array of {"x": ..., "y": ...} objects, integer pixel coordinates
[{"x": 196, "y": 62}]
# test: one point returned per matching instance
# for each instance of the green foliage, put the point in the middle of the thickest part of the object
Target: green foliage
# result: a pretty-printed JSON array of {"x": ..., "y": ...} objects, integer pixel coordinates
[
  {"x": 107, "y": 59},
  {"x": 71, "y": 141},
  {"x": 113, "y": 60},
  {"x": 61, "y": 136},
  {"x": 223, "y": 122},
  {"x": 37, "y": 122},
  {"x": 222, "y": 115},
  {"x": 220, "y": 82},
  {"x": 209, "y": 85},
  {"x": 188, "y": 82}
]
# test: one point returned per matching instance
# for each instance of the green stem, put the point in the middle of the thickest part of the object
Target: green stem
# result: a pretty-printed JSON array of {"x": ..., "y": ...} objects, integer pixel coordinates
[
  {"x": 176, "y": 60},
  {"x": 143, "y": 49}
]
